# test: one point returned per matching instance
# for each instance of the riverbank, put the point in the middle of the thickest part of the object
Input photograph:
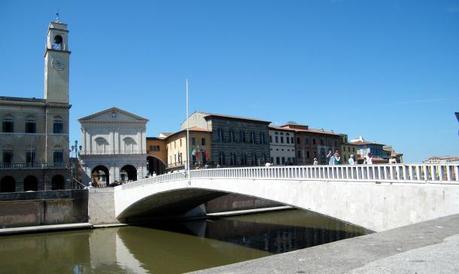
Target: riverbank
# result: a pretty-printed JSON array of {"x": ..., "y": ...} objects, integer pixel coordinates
[
  {"x": 428, "y": 247},
  {"x": 44, "y": 228}
]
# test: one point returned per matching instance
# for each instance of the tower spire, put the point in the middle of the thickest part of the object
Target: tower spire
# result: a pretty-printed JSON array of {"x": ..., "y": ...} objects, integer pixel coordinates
[{"x": 57, "y": 17}]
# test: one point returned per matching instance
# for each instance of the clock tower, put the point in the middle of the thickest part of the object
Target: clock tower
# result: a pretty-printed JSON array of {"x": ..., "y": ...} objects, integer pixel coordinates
[{"x": 57, "y": 63}]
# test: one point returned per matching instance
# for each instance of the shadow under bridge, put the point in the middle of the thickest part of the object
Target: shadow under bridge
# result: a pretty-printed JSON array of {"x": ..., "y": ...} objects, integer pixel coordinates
[{"x": 170, "y": 204}]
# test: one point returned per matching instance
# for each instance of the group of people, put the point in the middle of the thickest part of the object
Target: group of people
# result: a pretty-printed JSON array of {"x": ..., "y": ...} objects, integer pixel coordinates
[{"x": 335, "y": 159}]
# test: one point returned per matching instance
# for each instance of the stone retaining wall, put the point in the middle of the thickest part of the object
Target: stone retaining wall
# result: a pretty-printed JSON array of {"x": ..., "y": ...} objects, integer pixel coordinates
[{"x": 43, "y": 208}]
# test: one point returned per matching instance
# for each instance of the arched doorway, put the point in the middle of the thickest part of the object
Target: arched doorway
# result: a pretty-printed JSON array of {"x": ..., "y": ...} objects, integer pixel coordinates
[
  {"x": 100, "y": 176},
  {"x": 128, "y": 173},
  {"x": 30, "y": 183},
  {"x": 7, "y": 184},
  {"x": 155, "y": 166},
  {"x": 57, "y": 182}
]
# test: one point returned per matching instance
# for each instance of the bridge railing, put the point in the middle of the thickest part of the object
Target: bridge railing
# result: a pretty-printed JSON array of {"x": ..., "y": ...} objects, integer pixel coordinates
[
  {"x": 176, "y": 176},
  {"x": 400, "y": 173},
  {"x": 446, "y": 173}
]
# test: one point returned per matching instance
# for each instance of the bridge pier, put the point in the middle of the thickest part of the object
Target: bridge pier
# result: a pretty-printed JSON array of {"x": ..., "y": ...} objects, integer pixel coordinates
[{"x": 101, "y": 206}]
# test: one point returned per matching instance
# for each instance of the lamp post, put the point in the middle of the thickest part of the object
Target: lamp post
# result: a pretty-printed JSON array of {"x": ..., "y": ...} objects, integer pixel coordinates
[{"x": 187, "y": 134}]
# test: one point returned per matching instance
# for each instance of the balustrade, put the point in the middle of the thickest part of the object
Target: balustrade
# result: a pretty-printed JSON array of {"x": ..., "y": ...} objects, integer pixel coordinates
[{"x": 446, "y": 174}]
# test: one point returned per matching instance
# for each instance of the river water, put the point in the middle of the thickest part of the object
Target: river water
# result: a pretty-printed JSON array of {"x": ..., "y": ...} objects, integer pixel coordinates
[{"x": 172, "y": 248}]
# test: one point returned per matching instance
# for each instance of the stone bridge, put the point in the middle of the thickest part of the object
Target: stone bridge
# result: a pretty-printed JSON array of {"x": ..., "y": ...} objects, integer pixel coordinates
[{"x": 376, "y": 197}]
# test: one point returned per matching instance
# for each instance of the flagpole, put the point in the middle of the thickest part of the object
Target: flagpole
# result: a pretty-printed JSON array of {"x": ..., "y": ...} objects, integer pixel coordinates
[{"x": 187, "y": 132}]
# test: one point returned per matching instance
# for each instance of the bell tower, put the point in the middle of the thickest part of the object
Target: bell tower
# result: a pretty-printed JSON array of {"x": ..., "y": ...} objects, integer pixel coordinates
[{"x": 57, "y": 63}]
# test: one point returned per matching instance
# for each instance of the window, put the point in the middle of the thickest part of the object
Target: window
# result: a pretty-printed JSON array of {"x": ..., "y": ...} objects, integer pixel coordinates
[
  {"x": 221, "y": 159},
  {"x": 298, "y": 140},
  {"x": 130, "y": 146},
  {"x": 299, "y": 154},
  {"x": 30, "y": 126},
  {"x": 321, "y": 142},
  {"x": 262, "y": 138},
  {"x": 8, "y": 124},
  {"x": 313, "y": 141},
  {"x": 193, "y": 141},
  {"x": 288, "y": 140},
  {"x": 203, "y": 141},
  {"x": 270, "y": 138},
  {"x": 58, "y": 157},
  {"x": 291, "y": 140},
  {"x": 306, "y": 141},
  {"x": 232, "y": 137},
  {"x": 30, "y": 157},
  {"x": 252, "y": 138},
  {"x": 307, "y": 154},
  {"x": 156, "y": 148},
  {"x": 242, "y": 136},
  {"x": 282, "y": 139},
  {"x": 277, "y": 139},
  {"x": 244, "y": 159},
  {"x": 58, "y": 126},
  {"x": 233, "y": 159},
  {"x": 220, "y": 135},
  {"x": 101, "y": 145},
  {"x": 151, "y": 148},
  {"x": 57, "y": 43},
  {"x": 180, "y": 142},
  {"x": 7, "y": 157}
]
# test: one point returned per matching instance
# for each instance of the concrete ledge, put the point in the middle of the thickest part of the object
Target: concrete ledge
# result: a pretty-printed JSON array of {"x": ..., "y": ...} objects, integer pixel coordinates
[
  {"x": 109, "y": 225},
  {"x": 428, "y": 247},
  {"x": 44, "y": 228},
  {"x": 247, "y": 211}
]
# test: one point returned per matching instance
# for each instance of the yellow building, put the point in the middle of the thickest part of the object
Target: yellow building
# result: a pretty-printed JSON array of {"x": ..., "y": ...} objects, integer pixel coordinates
[
  {"x": 156, "y": 155},
  {"x": 199, "y": 148}
]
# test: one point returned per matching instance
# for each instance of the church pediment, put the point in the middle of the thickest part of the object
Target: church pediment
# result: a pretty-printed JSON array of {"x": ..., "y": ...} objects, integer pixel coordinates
[{"x": 113, "y": 115}]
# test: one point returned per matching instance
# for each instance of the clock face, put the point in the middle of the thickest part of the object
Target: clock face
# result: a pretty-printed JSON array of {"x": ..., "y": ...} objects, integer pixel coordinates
[{"x": 58, "y": 64}]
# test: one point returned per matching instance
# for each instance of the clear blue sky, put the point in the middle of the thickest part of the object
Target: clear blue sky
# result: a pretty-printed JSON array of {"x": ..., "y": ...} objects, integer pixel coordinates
[{"x": 387, "y": 70}]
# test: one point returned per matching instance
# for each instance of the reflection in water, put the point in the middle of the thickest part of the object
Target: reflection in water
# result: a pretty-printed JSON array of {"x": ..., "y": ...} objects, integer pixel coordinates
[{"x": 173, "y": 248}]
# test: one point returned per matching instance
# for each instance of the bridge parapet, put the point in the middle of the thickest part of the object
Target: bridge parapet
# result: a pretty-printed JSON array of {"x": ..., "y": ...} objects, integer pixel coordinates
[
  {"x": 415, "y": 173},
  {"x": 447, "y": 173}
]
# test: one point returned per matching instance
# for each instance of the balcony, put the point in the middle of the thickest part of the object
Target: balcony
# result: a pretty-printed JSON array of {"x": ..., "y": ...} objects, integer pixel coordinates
[
  {"x": 112, "y": 152},
  {"x": 32, "y": 165}
]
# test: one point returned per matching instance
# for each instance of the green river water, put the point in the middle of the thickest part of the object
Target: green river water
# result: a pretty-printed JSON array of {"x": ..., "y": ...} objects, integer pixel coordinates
[{"x": 170, "y": 248}]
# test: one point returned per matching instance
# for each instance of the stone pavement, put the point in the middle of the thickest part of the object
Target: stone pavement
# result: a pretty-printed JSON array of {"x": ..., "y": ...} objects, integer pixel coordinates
[{"x": 428, "y": 247}]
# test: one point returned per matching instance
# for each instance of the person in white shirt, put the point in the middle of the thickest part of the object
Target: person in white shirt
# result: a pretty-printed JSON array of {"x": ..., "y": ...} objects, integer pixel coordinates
[
  {"x": 368, "y": 159},
  {"x": 351, "y": 160}
]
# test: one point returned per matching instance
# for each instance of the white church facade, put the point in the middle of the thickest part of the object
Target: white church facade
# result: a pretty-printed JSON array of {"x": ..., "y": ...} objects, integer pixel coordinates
[{"x": 113, "y": 147}]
